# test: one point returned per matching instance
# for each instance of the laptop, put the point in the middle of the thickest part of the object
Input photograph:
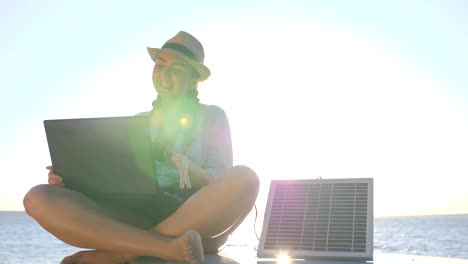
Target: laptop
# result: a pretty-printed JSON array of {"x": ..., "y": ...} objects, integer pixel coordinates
[{"x": 108, "y": 158}]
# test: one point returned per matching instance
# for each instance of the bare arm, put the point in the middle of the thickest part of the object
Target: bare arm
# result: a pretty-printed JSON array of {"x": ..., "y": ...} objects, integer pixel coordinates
[{"x": 198, "y": 176}]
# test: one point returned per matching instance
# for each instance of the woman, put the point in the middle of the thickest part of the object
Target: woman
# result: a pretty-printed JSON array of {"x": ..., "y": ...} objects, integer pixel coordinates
[{"x": 193, "y": 155}]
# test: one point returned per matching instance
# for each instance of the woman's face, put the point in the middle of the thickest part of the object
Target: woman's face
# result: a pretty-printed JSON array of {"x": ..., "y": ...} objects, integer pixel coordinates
[{"x": 172, "y": 76}]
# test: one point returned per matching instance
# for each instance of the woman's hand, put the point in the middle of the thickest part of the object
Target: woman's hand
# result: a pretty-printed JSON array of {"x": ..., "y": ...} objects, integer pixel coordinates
[
  {"x": 54, "y": 179},
  {"x": 182, "y": 164}
]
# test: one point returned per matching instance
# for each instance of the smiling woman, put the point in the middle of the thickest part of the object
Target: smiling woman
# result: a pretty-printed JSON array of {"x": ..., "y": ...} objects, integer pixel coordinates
[{"x": 210, "y": 196}]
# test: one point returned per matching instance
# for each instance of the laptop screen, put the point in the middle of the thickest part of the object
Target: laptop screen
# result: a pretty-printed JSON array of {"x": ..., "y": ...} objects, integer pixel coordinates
[{"x": 110, "y": 155}]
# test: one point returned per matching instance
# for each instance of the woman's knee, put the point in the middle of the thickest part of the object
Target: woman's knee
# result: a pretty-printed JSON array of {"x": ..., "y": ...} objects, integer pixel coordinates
[
  {"x": 36, "y": 198},
  {"x": 245, "y": 178}
]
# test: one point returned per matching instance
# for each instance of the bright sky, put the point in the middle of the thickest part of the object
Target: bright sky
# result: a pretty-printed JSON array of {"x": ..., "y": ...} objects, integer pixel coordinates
[{"x": 337, "y": 89}]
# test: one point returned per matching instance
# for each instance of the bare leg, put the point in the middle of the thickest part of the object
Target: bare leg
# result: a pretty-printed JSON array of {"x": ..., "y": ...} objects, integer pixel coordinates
[
  {"x": 215, "y": 211},
  {"x": 193, "y": 253},
  {"x": 77, "y": 220}
]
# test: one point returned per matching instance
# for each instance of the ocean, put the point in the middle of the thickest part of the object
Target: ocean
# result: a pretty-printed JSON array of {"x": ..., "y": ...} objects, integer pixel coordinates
[{"x": 23, "y": 241}]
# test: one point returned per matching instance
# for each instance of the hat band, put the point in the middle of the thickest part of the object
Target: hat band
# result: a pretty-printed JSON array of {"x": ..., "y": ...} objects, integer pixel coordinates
[{"x": 182, "y": 49}]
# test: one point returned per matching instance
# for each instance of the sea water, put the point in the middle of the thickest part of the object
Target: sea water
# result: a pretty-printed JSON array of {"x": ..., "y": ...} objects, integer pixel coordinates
[
  {"x": 444, "y": 235},
  {"x": 23, "y": 241}
]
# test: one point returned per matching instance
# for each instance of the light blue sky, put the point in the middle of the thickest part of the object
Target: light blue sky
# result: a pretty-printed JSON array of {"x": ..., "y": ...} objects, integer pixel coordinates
[{"x": 312, "y": 88}]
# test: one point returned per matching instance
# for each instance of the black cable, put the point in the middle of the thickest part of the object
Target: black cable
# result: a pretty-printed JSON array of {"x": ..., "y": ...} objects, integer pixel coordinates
[
  {"x": 255, "y": 221},
  {"x": 255, "y": 228}
]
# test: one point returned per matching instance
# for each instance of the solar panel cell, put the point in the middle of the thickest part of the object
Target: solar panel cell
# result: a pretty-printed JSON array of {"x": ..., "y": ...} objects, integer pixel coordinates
[{"x": 330, "y": 219}]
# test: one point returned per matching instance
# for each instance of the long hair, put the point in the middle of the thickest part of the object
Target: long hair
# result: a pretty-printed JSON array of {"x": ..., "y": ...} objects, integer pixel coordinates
[{"x": 187, "y": 109}]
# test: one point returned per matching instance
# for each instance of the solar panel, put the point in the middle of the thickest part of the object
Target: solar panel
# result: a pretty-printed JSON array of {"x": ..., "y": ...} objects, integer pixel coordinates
[{"x": 319, "y": 219}]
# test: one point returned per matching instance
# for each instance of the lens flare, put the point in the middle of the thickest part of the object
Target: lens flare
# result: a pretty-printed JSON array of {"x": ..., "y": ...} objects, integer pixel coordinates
[
  {"x": 283, "y": 258},
  {"x": 183, "y": 121}
]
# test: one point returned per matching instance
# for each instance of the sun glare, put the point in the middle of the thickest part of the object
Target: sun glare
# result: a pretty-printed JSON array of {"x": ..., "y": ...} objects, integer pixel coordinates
[
  {"x": 283, "y": 258},
  {"x": 183, "y": 121},
  {"x": 344, "y": 117}
]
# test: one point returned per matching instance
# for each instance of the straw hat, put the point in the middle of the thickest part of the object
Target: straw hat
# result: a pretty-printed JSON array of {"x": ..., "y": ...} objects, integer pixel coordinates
[{"x": 189, "y": 47}]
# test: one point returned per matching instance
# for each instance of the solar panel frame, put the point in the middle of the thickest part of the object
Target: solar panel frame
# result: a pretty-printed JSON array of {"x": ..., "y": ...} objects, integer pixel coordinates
[{"x": 319, "y": 204}]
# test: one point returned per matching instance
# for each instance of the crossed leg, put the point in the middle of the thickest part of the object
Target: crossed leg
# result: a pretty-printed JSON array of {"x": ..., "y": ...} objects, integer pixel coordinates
[{"x": 214, "y": 211}]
